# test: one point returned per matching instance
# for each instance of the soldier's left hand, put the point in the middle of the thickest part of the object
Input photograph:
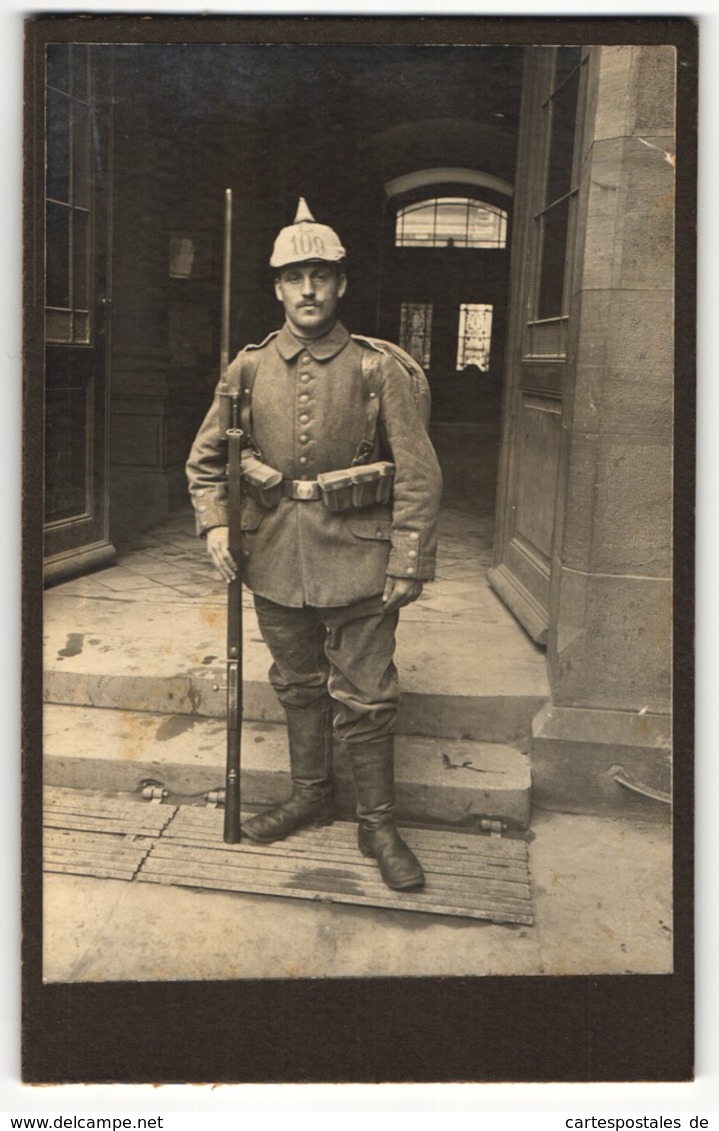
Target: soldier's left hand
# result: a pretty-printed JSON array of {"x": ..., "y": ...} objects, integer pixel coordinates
[{"x": 400, "y": 591}]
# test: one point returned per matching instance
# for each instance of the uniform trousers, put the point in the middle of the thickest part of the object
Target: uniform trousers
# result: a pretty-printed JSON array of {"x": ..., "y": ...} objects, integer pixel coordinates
[{"x": 346, "y": 651}]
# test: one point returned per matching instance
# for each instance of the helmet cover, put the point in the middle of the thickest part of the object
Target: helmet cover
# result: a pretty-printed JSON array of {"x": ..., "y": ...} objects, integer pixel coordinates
[{"x": 305, "y": 240}]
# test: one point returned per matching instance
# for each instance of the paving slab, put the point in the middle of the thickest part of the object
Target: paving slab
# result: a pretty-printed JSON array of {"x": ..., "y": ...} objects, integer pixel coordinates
[
  {"x": 144, "y": 932},
  {"x": 603, "y": 887},
  {"x": 448, "y": 781}
]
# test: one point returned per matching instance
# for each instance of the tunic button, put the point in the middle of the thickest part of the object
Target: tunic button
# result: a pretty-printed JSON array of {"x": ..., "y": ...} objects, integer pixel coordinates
[
  {"x": 412, "y": 554},
  {"x": 304, "y": 377},
  {"x": 304, "y": 398},
  {"x": 303, "y": 460},
  {"x": 304, "y": 439},
  {"x": 414, "y": 537},
  {"x": 306, "y": 359},
  {"x": 411, "y": 569},
  {"x": 304, "y": 418}
]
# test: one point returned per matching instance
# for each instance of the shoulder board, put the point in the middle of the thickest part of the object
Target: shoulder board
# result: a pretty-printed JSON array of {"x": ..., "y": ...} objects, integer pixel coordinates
[
  {"x": 400, "y": 355},
  {"x": 373, "y": 343},
  {"x": 270, "y": 337}
]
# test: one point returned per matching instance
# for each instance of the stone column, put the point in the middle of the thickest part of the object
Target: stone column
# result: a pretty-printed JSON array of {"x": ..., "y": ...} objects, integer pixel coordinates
[{"x": 609, "y": 651}]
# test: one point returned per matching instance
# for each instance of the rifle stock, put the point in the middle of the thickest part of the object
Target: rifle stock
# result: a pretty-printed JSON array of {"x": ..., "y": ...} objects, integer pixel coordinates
[{"x": 232, "y": 833}]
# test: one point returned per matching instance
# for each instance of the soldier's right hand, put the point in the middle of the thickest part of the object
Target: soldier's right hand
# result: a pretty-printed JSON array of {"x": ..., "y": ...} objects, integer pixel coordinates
[{"x": 218, "y": 547}]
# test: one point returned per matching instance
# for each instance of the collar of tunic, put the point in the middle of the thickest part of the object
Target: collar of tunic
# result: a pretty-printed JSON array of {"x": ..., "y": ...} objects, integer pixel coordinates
[{"x": 321, "y": 349}]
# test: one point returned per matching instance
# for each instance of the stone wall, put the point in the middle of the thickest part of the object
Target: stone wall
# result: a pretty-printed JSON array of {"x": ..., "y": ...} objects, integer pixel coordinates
[{"x": 609, "y": 649}]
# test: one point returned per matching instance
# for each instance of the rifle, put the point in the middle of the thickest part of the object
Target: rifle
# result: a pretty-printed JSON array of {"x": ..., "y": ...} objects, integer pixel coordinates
[{"x": 230, "y": 403}]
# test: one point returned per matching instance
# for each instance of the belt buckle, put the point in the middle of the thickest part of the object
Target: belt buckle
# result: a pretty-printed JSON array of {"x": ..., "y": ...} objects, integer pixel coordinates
[{"x": 303, "y": 490}]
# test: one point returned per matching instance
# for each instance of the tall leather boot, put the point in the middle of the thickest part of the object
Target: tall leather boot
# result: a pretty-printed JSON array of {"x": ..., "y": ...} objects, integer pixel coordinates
[
  {"x": 377, "y": 836},
  {"x": 309, "y": 730}
]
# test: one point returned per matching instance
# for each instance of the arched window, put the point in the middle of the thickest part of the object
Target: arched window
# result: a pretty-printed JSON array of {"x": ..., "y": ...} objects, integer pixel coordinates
[{"x": 451, "y": 221}]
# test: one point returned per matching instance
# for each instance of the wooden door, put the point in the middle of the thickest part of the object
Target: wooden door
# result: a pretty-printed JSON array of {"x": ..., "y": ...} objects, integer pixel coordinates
[
  {"x": 77, "y": 308},
  {"x": 540, "y": 284}
]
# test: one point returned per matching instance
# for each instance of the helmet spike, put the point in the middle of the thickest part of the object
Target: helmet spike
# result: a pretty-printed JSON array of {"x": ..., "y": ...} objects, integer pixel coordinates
[{"x": 303, "y": 212}]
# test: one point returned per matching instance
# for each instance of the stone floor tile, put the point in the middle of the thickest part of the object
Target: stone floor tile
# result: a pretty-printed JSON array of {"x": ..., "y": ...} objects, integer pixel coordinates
[
  {"x": 75, "y": 908},
  {"x": 166, "y": 550},
  {"x": 88, "y": 586},
  {"x": 120, "y": 580},
  {"x": 150, "y": 565},
  {"x": 617, "y": 875},
  {"x": 143, "y": 541},
  {"x": 187, "y": 590},
  {"x": 169, "y": 576}
]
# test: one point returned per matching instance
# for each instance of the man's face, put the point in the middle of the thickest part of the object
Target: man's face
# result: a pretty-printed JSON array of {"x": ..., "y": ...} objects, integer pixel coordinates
[{"x": 309, "y": 293}]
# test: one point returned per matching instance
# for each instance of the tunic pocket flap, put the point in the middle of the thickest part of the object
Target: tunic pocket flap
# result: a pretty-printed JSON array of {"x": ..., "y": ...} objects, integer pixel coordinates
[{"x": 365, "y": 526}]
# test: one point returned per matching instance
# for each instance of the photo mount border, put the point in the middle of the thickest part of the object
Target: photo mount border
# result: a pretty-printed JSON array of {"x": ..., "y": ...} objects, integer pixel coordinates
[{"x": 384, "y": 1030}]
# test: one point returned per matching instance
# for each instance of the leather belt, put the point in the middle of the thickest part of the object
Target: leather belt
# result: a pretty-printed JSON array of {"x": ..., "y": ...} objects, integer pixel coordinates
[{"x": 304, "y": 490}]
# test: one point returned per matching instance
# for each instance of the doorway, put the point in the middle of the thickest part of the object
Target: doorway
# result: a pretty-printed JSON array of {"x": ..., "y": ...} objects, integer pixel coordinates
[{"x": 444, "y": 299}]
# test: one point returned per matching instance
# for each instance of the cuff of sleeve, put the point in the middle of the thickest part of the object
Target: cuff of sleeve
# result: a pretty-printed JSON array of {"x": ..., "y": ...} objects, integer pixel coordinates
[
  {"x": 407, "y": 558},
  {"x": 209, "y": 512}
]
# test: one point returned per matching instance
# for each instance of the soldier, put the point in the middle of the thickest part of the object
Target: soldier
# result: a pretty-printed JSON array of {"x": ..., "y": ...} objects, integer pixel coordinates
[{"x": 341, "y": 490}]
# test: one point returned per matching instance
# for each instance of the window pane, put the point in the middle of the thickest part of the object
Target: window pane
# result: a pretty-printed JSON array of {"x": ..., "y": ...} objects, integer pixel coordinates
[
  {"x": 80, "y": 259},
  {"x": 567, "y": 58},
  {"x": 563, "y": 111},
  {"x": 58, "y": 66},
  {"x": 415, "y": 331},
  {"x": 474, "y": 338},
  {"x": 58, "y": 146},
  {"x": 69, "y": 177},
  {"x": 554, "y": 221},
  {"x": 81, "y": 155},
  {"x": 79, "y": 65},
  {"x": 58, "y": 325},
  {"x": 57, "y": 284},
  {"x": 451, "y": 222},
  {"x": 417, "y": 225},
  {"x": 554, "y": 249},
  {"x": 486, "y": 228},
  {"x": 451, "y": 229},
  {"x": 81, "y": 327}
]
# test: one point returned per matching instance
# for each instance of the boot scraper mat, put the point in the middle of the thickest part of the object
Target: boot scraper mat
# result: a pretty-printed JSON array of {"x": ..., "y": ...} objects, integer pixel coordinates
[{"x": 112, "y": 836}]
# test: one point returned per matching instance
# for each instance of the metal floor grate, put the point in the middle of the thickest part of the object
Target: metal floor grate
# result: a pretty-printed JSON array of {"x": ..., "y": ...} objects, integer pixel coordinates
[{"x": 468, "y": 875}]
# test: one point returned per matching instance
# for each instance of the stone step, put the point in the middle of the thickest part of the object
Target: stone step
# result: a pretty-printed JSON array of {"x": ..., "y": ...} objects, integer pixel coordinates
[
  {"x": 438, "y": 780},
  {"x": 461, "y": 677}
]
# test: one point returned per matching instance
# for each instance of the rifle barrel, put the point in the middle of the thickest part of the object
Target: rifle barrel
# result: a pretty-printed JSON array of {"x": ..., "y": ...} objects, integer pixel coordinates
[{"x": 226, "y": 276}]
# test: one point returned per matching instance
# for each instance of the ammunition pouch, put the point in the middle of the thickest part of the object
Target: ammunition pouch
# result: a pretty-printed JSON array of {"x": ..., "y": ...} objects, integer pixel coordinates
[
  {"x": 357, "y": 487},
  {"x": 343, "y": 490},
  {"x": 262, "y": 483}
]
